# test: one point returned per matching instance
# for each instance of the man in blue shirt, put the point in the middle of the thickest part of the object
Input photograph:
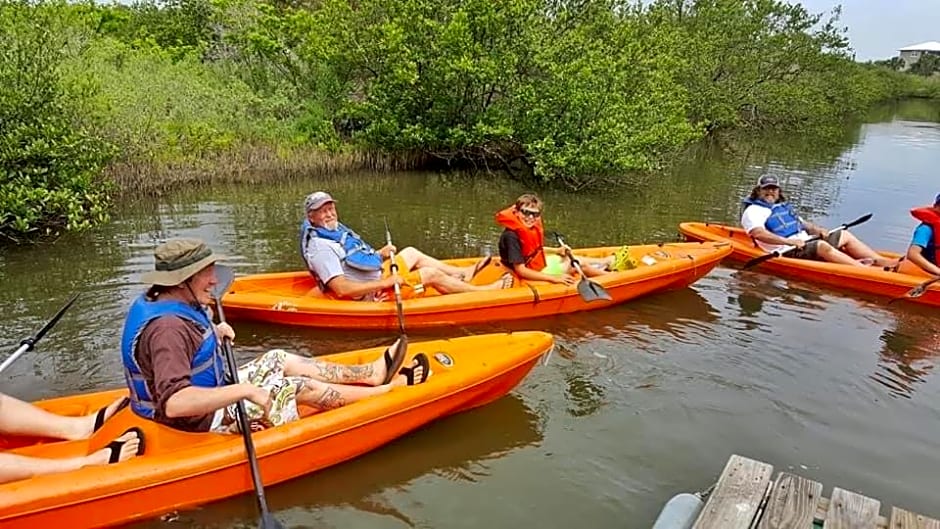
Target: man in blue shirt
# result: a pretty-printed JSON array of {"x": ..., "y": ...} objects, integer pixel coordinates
[{"x": 923, "y": 248}]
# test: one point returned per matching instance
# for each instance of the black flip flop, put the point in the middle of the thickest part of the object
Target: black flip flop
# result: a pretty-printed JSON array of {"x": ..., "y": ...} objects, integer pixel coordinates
[
  {"x": 393, "y": 361},
  {"x": 481, "y": 265},
  {"x": 116, "y": 445},
  {"x": 422, "y": 360},
  {"x": 99, "y": 418}
]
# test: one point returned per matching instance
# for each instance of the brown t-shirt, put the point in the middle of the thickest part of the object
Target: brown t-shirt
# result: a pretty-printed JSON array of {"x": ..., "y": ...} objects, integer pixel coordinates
[{"x": 165, "y": 356}]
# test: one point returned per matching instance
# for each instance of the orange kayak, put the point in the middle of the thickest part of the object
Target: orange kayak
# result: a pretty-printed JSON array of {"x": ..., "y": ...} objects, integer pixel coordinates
[
  {"x": 293, "y": 298},
  {"x": 869, "y": 279},
  {"x": 180, "y": 470}
]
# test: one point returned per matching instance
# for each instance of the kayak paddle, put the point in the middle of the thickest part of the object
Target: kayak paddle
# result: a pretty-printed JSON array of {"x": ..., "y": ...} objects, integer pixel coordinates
[
  {"x": 29, "y": 343},
  {"x": 917, "y": 291},
  {"x": 777, "y": 253},
  {"x": 589, "y": 290},
  {"x": 268, "y": 521},
  {"x": 393, "y": 266}
]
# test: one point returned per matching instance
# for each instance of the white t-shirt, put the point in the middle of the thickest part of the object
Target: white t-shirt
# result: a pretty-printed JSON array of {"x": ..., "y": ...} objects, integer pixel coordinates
[
  {"x": 325, "y": 258},
  {"x": 755, "y": 216}
]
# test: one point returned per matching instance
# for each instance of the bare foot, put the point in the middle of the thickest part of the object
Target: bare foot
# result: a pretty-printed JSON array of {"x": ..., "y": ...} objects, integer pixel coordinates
[
  {"x": 888, "y": 264},
  {"x": 128, "y": 450},
  {"x": 506, "y": 281}
]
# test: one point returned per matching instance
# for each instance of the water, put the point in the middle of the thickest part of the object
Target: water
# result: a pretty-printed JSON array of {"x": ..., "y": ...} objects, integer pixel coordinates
[{"x": 641, "y": 402}]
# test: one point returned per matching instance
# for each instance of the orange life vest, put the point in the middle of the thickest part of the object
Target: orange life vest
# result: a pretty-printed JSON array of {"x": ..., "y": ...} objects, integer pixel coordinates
[
  {"x": 530, "y": 238},
  {"x": 930, "y": 217}
]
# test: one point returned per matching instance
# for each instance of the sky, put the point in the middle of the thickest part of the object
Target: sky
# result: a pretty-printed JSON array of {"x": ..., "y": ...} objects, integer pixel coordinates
[{"x": 877, "y": 28}]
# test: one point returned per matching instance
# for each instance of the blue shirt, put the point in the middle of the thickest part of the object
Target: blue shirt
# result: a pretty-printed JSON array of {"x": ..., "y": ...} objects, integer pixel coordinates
[{"x": 923, "y": 237}]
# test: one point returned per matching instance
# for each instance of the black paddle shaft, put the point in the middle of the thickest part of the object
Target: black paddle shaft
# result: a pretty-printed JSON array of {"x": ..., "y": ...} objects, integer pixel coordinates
[
  {"x": 268, "y": 521},
  {"x": 917, "y": 291},
  {"x": 31, "y": 341},
  {"x": 28, "y": 343}
]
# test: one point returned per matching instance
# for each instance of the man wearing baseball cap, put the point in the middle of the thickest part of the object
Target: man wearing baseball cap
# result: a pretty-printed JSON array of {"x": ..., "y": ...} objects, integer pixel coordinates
[
  {"x": 775, "y": 226},
  {"x": 923, "y": 249},
  {"x": 349, "y": 267},
  {"x": 175, "y": 370}
]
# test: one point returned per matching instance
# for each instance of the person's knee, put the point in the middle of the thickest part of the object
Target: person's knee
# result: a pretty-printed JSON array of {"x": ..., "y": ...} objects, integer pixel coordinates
[
  {"x": 823, "y": 249},
  {"x": 275, "y": 356},
  {"x": 410, "y": 253}
]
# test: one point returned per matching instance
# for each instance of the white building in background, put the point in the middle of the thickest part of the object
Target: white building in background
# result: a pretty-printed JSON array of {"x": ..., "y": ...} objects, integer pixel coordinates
[{"x": 912, "y": 54}]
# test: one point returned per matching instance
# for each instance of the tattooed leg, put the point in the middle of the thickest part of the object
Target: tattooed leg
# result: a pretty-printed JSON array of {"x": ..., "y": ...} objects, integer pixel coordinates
[
  {"x": 371, "y": 374},
  {"x": 323, "y": 396}
]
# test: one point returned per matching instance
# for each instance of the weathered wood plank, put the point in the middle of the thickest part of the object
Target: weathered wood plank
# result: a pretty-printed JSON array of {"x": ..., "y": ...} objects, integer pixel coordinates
[
  {"x": 823, "y": 508},
  {"x": 737, "y": 496},
  {"x": 792, "y": 503},
  {"x": 901, "y": 519},
  {"x": 848, "y": 510}
]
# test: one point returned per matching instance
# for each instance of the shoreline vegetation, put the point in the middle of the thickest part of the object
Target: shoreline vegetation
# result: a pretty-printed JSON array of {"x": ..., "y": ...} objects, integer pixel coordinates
[{"x": 99, "y": 101}]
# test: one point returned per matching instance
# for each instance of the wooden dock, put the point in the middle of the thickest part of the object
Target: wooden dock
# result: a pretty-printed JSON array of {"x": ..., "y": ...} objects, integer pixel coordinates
[{"x": 746, "y": 497}]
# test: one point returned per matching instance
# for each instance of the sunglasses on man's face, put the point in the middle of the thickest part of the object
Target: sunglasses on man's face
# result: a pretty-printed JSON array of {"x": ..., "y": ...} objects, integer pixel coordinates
[{"x": 530, "y": 213}]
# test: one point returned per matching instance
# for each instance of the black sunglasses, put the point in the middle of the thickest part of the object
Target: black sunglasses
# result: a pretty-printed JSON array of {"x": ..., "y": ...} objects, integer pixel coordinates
[{"x": 530, "y": 213}]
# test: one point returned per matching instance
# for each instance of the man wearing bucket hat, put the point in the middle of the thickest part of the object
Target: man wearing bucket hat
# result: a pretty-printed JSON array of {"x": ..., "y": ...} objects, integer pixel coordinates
[
  {"x": 774, "y": 225},
  {"x": 175, "y": 371},
  {"x": 342, "y": 262}
]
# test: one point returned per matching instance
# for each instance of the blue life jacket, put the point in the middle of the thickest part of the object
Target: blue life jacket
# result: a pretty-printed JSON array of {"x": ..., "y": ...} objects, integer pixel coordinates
[
  {"x": 359, "y": 254},
  {"x": 208, "y": 369},
  {"x": 783, "y": 221}
]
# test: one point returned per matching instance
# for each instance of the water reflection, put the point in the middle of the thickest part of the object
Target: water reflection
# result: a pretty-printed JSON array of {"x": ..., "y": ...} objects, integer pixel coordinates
[
  {"x": 921, "y": 110},
  {"x": 908, "y": 345},
  {"x": 457, "y": 449},
  {"x": 908, "y": 351},
  {"x": 675, "y": 313},
  {"x": 750, "y": 290}
]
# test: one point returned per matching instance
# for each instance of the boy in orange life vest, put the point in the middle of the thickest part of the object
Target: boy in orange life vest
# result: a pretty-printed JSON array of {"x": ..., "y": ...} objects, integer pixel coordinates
[
  {"x": 521, "y": 246},
  {"x": 923, "y": 248}
]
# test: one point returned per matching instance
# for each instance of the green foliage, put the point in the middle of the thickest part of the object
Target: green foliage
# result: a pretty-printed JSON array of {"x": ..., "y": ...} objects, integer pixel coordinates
[
  {"x": 894, "y": 63},
  {"x": 582, "y": 90},
  {"x": 927, "y": 88},
  {"x": 568, "y": 87},
  {"x": 49, "y": 165},
  {"x": 180, "y": 27},
  {"x": 576, "y": 93},
  {"x": 161, "y": 107},
  {"x": 747, "y": 61},
  {"x": 600, "y": 105},
  {"x": 927, "y": 65}
]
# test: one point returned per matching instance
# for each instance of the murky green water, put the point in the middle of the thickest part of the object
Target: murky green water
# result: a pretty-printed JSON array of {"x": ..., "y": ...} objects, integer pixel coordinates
[{"x": 645, "y": 400}]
